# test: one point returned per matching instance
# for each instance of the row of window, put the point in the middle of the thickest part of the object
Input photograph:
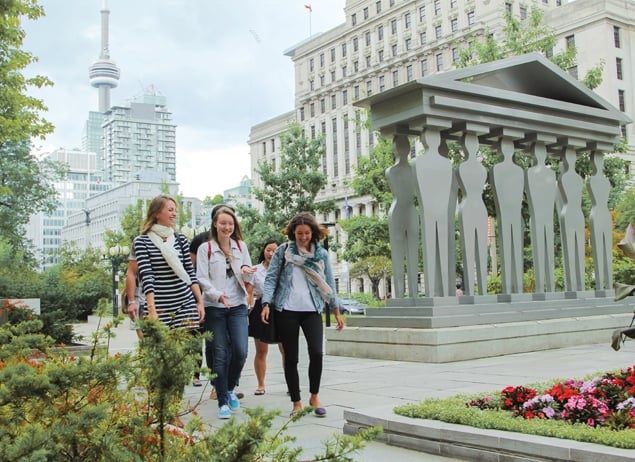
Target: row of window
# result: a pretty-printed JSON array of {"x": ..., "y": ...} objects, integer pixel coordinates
[{"x": 408, "y": 42}]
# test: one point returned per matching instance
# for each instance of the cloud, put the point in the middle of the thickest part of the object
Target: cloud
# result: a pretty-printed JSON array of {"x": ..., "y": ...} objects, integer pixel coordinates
[{"x": 219, "y": 64}]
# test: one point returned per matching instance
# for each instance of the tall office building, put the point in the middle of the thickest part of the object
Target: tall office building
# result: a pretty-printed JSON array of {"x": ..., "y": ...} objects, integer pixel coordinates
[
  {"x": 81, "y": 182},
  {"x": 386, "y": 43},
  {"x": 139, "y": 137}
]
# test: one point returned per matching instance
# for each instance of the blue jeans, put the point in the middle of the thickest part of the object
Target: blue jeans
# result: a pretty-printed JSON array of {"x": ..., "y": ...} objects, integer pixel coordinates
[{"x": 229, "y": 327}]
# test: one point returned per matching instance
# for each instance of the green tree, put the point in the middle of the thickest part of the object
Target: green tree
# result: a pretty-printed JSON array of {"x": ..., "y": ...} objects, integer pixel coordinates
[
  {"x": 288, "y": 188},
  {"x": 370, "y": 174},
  {"x": 25, "y": 183},
  {"x": 375, "y": 268}
]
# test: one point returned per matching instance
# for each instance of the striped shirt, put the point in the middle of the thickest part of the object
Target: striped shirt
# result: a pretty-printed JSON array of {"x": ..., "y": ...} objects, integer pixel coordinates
[{"x": 174, "y": 299}]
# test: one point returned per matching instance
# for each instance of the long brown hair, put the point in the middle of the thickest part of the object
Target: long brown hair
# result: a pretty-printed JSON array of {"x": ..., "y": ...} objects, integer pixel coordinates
[
  {"x": 318, "y": 232},
  {"x": 236, "y": 235},
  {"x": 155, "y": 207}
]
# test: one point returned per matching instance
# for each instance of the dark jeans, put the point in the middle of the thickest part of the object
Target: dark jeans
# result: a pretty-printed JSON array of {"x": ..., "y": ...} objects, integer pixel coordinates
[
  {"x": 229, "y": 344},
  {"x": 289, "y": 324}
]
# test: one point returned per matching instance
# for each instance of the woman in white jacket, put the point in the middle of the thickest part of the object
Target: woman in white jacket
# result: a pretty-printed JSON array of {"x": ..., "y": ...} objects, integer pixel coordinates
[{"x": 223, "y": 265}]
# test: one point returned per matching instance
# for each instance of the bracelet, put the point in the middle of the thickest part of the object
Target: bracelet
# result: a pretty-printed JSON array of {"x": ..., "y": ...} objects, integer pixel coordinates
[{"x": 132, "y": 303}]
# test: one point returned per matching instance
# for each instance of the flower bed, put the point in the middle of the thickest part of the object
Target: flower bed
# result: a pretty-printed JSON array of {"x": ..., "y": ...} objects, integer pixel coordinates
[{"x": 599, "y": 409}]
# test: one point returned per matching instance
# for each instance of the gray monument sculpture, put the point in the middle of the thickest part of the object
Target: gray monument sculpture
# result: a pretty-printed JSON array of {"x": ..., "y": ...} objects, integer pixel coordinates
[
  {"x": 522, "y": 103},
  {"x": 471, "y": 176},
  {"x": 600, "y": 223},
  {"x": 435, "y": 186},
  {"x": 403, "y": 219},
  {"x": 540, "y": 190},
  {"x": 507, "y": 180},
  {"x": 571, "y": 221}
]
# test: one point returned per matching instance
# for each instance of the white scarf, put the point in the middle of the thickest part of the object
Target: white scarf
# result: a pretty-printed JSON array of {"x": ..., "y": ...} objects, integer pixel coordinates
[{"x": 157, "y": 234}]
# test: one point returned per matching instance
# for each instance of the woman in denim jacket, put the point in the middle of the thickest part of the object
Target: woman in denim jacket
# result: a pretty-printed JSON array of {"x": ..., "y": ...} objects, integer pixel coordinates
[
  {"x": 223, "y": 266},
  {"x": 302, "y": 288}
]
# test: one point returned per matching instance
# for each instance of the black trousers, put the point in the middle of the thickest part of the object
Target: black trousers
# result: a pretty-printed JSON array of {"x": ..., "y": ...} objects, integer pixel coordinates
[{"x": 289, "y": 324}]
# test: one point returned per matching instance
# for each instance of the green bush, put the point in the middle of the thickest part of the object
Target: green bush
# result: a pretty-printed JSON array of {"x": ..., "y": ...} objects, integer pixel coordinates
[{"x": 101, "y": 407}]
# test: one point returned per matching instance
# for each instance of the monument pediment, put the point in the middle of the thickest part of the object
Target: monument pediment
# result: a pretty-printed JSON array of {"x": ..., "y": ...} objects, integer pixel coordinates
[{"x": 527, "y": 93}]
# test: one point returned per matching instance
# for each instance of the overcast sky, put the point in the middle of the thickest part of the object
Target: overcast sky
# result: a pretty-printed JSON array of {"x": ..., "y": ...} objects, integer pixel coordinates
[{"x": 220, "y": 64}]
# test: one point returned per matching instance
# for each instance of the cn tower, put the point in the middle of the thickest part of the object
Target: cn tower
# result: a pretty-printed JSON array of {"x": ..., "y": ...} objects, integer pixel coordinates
[{"x": 104, "y": 73}]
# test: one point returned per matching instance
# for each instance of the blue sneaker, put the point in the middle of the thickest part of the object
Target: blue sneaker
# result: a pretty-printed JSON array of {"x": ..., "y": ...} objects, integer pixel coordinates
[
  {"x": 224, "y": 412},
  {"x": 233, "y": 402}
]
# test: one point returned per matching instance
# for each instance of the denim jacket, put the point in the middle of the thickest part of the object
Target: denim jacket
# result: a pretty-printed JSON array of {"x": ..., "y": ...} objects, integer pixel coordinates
[{"x": 282, "y": 294}]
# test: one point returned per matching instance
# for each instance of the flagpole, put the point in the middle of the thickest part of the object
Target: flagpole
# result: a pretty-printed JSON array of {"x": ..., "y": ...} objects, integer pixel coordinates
[{"x": 308, "y": 7}]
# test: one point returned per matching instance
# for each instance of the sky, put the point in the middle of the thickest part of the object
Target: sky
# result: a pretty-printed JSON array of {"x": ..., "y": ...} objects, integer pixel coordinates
[{"x": 220, "y": 64}]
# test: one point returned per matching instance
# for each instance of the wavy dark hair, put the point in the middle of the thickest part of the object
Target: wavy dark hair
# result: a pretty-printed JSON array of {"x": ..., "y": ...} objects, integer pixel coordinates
[{"x": 318, "y": 232}]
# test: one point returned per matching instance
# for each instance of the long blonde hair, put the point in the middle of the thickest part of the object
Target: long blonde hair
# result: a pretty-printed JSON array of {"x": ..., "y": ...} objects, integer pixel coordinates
[{"x": 155, "y": 207}]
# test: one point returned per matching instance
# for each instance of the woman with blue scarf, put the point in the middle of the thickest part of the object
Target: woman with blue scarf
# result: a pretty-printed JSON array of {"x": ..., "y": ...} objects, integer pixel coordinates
[{"x": 298, "y": 286}]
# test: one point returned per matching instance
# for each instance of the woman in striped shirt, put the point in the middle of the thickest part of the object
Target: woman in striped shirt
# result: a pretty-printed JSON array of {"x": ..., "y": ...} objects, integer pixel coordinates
[{"x": 172, "y": 292}]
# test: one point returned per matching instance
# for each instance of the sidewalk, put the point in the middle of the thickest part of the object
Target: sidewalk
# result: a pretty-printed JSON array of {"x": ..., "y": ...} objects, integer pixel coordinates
[{"x": 378, "y": 386}]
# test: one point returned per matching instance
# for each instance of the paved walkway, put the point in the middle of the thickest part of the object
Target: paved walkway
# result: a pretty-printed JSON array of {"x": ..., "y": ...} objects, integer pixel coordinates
[{"x": 367, "y": 384}]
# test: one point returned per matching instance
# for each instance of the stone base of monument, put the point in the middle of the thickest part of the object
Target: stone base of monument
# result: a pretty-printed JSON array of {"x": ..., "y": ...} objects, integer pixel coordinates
[{"x": 438, "y": 330}]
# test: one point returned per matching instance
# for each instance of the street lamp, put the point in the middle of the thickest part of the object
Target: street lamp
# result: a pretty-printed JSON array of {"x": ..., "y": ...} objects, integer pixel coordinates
[{"x": 117, "y": 254}]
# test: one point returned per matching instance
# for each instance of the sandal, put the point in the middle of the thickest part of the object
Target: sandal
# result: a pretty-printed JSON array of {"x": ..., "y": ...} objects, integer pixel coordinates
[
  {"x": 259, "y": 391},
  {"x": 318, "y": 411}
]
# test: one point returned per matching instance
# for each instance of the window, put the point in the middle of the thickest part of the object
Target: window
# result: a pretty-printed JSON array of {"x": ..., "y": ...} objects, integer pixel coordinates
[
  {"x": 616, "y": 37},
  {"x": 332, "y": 76},
  {"x": 382, "y": 83},
  {"x": 344, "y": 97},
  {"x": 356, "y": 66},
  {"x": 355, "y": 44},
  {"x": 369, "y": 87},
  {"x": 322, "y": 80},
  {"x": 570, "y": 41},
  {"x": 408, "y": 44},
  {"x": 380, "y": 55},
  {"x": 394, "y": 50},
  {"x": 368, "y": 61},
  {"x": 439, "y": 62},
  {"x": 333, "y": 54},
  {"x": 347, "y": 157},
  {"x": 302, "y": 113},
  {"x": 378, "y": 7},
  {"x": 312, "y": 85},
  {"x": 452, "y": 3},
  {"x": 264, "y": 147},
  {"x": 393, "y": 26},
  {"x": 558, "y": 2},
  {"x": 508, "y": 8},
  {"x": 395, "y": 78},
  {"x": 406, "y": 20},
  {"x": 618, "y": 65},
  {"x": 423, "y": 38},
  {"x": 470, "y": 17},
  {"x": 380, "y": 33},
  {"x": 392, "y": 3},
  {"x": 409, "y": 74},
  {"x": 546, "y": 2},
  {"x": 321, "y": 59},
  {"x": 312, "y": 109},
  {"x": 454, "y": 24},
  {"x": 354, "y": 19},
  {"x": 311, "y": 64},
  {"x": 273, "y": 145},
  {"x": 322, "y": 106},
  {"x": 437, "y": 7},
  {"x": 424, "y": 67},
  {"x": 573, "y": 72},
  {"x": 356, "y": 92},
  {"x": 312, "y": 132},
  {"x": 367, "y": 38},
  {"x": 438, "y": 32},
  {"x": 621, "y": 100},
  {"x": 455, "y": 55},
  {"x": 333, "y": 102},
  {"x": 523, "y": 13},
  {"x": 344, "y": 72},
  {"x": 422, "y": 13},
  {"x": 365, "y": 13},
  {"x": 344, "y": 50}
]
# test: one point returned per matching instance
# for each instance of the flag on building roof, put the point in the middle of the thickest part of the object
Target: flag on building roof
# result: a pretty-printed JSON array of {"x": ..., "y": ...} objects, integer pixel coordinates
[{"x": 308, "y": 7}]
